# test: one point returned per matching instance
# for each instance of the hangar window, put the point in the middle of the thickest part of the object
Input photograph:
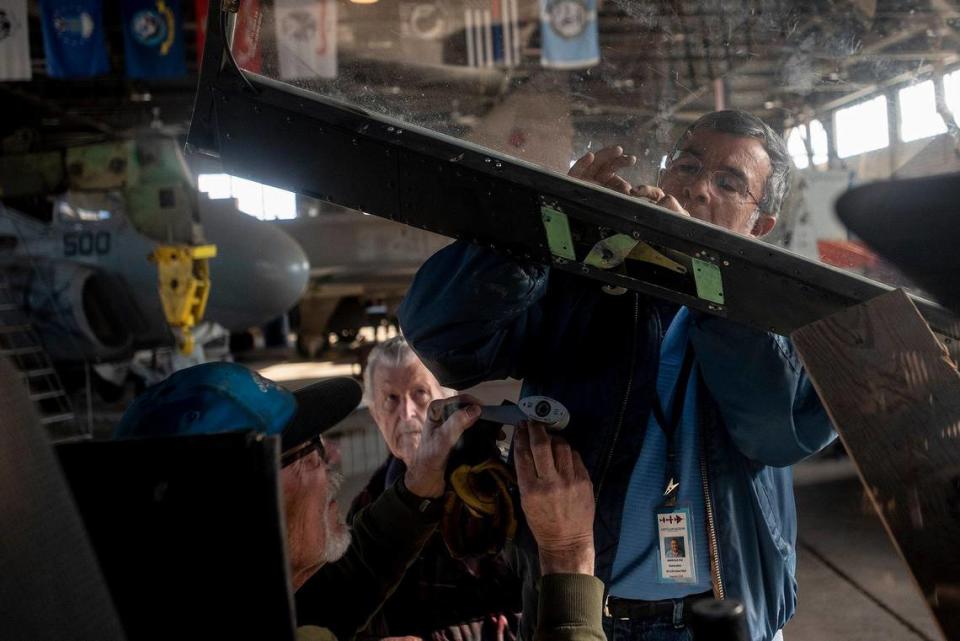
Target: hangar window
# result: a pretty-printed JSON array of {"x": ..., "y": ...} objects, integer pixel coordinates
[
  {"x": 862, "y": 128},
  {"x": 818, "y": 141},
  {"x": 797, "y": 147},
  {"x": 259, "y": 200},
  {"x": 918, "y": 112},
  {"x": 951, "y": 91}
]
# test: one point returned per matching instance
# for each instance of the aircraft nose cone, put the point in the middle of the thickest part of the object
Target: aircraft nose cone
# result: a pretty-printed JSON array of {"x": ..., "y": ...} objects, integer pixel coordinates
[{"x": 260, "y": 272}]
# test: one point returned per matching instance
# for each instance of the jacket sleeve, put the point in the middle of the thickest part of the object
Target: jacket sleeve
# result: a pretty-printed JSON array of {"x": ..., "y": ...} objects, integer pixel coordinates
[
  {"x": 570, "y": 608},
  {"x": 469, "y": 312},
  {"x": 766, "y": 400},
  {"x": 386, "y": 538}
]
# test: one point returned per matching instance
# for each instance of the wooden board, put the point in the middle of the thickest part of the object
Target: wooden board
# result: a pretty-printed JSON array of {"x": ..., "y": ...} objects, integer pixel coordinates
[{"x": 893, "y": 394}]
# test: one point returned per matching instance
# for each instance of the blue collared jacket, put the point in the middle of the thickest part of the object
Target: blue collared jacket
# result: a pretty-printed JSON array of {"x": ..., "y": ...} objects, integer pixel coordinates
[{"x": 473, "y": 315}]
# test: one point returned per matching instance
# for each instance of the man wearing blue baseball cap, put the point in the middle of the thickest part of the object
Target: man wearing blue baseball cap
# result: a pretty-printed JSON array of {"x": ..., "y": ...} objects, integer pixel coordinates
[{"x": 350, "y": 579}]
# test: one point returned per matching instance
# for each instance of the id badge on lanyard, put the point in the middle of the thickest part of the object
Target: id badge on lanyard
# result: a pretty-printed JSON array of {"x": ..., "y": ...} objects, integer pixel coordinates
[
  {"x": 676, "y": 559},
  {"x": 676, "y": 562}
]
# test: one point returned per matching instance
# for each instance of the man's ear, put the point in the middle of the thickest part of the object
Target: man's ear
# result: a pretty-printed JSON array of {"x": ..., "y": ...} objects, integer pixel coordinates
[{"x": 763, "y": 225}]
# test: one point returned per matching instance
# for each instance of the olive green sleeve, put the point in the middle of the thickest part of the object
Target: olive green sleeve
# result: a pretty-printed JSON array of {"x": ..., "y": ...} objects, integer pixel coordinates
[
  {"x": 387, "y": 537},
  {"x": 570, "y": 608},
  {"x": 313, "y": 633}
]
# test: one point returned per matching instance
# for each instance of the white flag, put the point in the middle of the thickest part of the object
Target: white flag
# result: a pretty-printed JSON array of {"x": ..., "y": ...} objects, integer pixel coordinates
[
  {"x": 492, "y": 30},
  {"x": 306, "y": 38},
  {"x": 14, "y": 41}
]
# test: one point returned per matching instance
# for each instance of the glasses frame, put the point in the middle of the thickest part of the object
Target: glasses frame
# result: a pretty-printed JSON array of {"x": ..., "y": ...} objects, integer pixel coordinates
[
  {"x": 669, "y": 168},
  {"x": 316, "y": 443}
]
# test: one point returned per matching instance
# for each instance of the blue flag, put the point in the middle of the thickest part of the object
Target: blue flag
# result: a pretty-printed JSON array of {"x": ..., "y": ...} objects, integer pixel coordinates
[
  {"x": 73, "y": 38},
  {"x": 570, "y": 39},
  {"x": 153, "y": 38}
]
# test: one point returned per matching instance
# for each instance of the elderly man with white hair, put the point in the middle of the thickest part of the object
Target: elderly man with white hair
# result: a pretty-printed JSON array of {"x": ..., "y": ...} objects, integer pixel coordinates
[
  {"x": 440, "y": 597},
  {"x": 340, "y": 575}
]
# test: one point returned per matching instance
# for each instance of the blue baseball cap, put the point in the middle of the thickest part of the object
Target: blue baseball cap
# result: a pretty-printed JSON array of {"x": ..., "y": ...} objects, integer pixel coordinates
[{"x": 223, "y": 397}]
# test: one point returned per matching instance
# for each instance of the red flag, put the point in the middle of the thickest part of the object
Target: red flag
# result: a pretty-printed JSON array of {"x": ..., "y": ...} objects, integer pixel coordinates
[
  {"x": 202, "y": 7},
  {"x": 246, "y": 37}
]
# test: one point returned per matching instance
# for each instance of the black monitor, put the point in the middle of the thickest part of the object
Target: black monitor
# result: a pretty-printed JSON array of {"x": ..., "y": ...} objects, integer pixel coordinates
[{"x": 188, "y": 533}]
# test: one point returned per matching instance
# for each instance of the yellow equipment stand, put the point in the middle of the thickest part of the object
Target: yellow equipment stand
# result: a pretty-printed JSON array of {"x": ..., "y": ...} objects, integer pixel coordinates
[{"x": 184, "y": 286}]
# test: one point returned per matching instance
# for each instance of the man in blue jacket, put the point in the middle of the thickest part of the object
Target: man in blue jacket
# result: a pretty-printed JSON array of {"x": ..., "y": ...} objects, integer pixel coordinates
[{"x": 687, "y": 423}]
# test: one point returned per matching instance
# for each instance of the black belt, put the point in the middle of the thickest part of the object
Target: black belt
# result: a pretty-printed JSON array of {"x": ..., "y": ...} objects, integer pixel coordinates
[{"x": 632, "y": 609}]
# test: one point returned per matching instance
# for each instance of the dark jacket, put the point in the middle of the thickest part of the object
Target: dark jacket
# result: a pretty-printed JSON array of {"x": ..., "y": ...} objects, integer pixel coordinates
[
  {"x": 438, "y": 590},
  {"x": 473, "y": 315},
  {"x": 343, "y": 596}
]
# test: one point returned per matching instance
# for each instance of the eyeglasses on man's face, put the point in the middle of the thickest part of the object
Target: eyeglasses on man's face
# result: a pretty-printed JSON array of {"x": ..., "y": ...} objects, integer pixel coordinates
[
  {"x": 728, "y": 185},
  {"x": 316, "y": 443}
]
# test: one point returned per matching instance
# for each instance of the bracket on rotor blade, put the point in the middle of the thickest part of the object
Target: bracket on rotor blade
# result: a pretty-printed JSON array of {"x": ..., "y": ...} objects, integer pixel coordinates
[
  {"x": 647, "y": 254},
  {"x": 611, "y": 251},
  {"x": 709, "y": 282},
  {"x": 558, "y": 232}
]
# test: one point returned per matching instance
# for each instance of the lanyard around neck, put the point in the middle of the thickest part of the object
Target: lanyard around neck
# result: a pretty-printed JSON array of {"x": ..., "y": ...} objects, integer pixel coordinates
[{"x": 669, "y": 424}]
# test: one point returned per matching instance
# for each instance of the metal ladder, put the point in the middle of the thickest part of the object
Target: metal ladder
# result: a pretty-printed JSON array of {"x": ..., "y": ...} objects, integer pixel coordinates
[{"x": 20, "y": 343}]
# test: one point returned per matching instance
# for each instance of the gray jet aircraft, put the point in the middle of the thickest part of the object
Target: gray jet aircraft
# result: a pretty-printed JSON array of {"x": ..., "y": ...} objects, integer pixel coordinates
[{"x": 90, "y": 292}]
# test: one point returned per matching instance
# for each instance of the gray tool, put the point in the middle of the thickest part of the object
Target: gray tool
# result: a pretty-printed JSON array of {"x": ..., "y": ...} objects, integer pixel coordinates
[{"x": 542, "y": 409}]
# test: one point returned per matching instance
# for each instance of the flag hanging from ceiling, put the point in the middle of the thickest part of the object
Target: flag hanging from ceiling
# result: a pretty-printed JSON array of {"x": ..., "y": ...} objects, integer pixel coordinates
[
  {"x": 153, "y": 38},
  {"x": 246, "y": 36},
  {"x": 201, "y": 9},
  {"x": 73, "y": 39},
  {"x": 14, "y": 41},
  {"x": 492, "y": 33},
  {"x": 246, "y": 33},
  {"x": 569, "y": 34},
  {"x": 306, "y": 38}
]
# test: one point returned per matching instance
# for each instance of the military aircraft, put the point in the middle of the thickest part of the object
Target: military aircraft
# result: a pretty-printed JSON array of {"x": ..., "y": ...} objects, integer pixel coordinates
[{"x": 82, "y": 274}]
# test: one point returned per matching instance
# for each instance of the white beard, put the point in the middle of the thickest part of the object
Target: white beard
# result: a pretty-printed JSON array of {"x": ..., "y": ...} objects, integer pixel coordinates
[
  {"x": 337, "y": 539},
  {"x": 336, "y": 546}
]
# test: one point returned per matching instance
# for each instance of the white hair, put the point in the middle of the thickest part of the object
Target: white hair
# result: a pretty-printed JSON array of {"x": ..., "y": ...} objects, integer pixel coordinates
[{"x": 394, "y": 352}]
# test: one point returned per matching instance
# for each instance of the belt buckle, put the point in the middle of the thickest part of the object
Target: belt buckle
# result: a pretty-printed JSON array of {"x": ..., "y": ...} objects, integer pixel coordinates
[{"x": 606, "y": 610}]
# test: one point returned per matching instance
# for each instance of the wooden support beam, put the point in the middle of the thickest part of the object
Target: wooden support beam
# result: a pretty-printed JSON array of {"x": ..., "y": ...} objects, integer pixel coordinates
[{"x": 893, "y": 394}]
